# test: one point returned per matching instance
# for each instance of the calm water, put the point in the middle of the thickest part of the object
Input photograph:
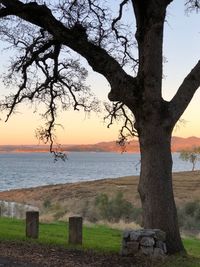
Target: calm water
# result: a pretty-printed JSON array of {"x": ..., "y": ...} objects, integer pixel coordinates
[{"x": 22, "y": 170}]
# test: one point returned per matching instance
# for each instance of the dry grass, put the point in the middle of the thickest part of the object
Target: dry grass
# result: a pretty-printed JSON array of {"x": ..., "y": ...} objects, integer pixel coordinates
[
  {"x": 73, "y": 198},
  {"x": 121, "y": 225}
]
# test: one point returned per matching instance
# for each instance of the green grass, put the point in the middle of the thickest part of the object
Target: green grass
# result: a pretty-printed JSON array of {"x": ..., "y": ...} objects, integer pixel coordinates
[
  {"x": 181, "y": 261},
  {"x": 99, "y": 238},
  {"x": 193, "y": 246}
]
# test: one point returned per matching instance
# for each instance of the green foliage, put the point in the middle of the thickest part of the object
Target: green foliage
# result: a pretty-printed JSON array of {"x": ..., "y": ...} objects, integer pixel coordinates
[
  {"x": 56, "y": 209},
  {"x": 102, "y": 203},
  {"x": 47, "y": 203},
  {"x": 190, "y": 155},
  {"x": 116, "y": 208},
  {"x": 191, "y": 208},
  {"x": 189, "y": 216}
]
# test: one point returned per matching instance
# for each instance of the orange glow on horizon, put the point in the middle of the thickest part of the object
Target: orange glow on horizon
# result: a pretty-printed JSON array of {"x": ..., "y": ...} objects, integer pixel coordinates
[{"x": 20, "y": 129}]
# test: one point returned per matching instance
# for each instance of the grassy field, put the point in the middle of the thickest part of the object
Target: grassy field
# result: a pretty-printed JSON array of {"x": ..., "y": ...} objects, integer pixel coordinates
[{"x": 98, "y": 238}]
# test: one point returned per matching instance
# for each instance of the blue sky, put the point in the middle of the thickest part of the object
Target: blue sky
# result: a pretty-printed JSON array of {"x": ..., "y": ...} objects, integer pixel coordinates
[{"x": 181, "y": 45}]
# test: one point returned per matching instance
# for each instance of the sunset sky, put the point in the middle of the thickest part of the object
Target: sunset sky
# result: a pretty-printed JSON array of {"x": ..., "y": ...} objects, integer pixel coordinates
[{"x": 182, "y": 51}]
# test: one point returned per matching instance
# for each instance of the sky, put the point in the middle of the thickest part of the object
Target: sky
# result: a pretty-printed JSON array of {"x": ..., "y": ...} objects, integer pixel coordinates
[{"x": 181, "y": 49}]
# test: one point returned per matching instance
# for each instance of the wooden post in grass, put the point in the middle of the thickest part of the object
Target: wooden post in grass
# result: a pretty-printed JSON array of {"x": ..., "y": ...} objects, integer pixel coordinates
[
  {"x": 75, "y": 230},
  {"x": 32, "y": 224}
]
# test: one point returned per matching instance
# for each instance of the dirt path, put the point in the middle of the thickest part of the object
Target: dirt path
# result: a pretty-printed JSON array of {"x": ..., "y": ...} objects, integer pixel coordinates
[
  {"x": 34, "y": 255},
  {"x": 9, "y": 262}
]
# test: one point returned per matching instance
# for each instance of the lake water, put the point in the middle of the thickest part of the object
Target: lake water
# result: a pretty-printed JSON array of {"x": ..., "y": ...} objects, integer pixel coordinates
[{"x": 22, "y": 170}]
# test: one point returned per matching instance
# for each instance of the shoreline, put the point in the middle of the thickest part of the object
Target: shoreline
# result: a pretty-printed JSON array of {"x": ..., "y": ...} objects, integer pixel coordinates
[
  {"x": 87, "y": 181},
  {"x": 186, "y": 186}
]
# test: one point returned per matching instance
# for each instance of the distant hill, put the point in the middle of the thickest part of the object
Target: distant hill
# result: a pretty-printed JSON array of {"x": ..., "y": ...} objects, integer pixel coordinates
[
  {"x": 132, "y": 146},
  {"x": 178, "y": 143}
]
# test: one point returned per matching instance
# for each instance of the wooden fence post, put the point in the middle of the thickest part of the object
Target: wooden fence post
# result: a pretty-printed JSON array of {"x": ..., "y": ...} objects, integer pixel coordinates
[
  {"x": 32, "y": 224},
  {"x": 75, "y": 230}
]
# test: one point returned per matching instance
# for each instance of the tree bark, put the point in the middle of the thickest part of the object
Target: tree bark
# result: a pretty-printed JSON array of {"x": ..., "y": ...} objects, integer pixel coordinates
[{"x": 155, "y": 186}]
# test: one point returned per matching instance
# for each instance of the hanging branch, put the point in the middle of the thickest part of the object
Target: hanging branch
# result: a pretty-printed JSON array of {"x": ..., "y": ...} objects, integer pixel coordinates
[
  {"x": 58, "y": 80},
  {"x": 118, "y": 112}
]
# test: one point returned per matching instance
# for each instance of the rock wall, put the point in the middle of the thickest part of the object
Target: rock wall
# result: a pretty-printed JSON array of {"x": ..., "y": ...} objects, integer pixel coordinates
[{"x": 150, "y": 242}]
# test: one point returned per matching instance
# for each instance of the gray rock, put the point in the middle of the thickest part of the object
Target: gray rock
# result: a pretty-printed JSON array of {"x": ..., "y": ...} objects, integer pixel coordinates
[
  {"x": 158, "y": 253},
  {"x": 161, "y": 245},
  {"x": 165, "y": 248},
  {"x": 126, "y": 233},
  {"x": 135, "y": 235},
  {"x": 146, "y": 250},
  {"x": 160, "y": 235},
  {"x": 147, "y": 241},
  {"x": 132, "y": 247},
  {"x": 124, "y": 243},
  {"x": 148, "y": 232},
  {"x": 124, "y": 252}
]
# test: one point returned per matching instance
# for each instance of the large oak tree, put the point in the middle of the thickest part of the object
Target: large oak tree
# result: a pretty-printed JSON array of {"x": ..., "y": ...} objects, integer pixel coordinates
[{"x": 48, "y": 36}]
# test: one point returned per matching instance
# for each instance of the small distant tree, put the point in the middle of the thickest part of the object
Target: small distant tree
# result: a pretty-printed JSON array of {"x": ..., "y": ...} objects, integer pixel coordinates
[{"x": 191, "y": 156}]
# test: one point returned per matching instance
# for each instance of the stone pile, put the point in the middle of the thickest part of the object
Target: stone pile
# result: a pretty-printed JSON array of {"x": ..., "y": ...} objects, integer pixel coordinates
[{"x": 150, "y": 242}]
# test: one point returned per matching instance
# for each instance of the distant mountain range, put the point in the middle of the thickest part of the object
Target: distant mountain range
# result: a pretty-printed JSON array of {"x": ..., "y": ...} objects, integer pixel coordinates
[{"x": 178, "y": 143}]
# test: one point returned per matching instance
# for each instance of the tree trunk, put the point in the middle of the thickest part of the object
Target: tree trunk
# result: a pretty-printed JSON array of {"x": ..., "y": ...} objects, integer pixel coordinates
[{"x": 155, "y": 186}]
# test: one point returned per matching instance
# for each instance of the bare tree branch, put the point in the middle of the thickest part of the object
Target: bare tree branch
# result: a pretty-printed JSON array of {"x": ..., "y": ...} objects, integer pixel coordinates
[
  {"x": 192, "y": 5},
  {"x": 76, "y": 38},
  {"x": 119, "y": 113},
  {"x": 124, "y": 40},
  {"x": 186, "y": 91}
]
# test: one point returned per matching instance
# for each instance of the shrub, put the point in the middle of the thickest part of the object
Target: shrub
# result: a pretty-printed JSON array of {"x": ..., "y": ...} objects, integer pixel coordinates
[
  {"x": 116, "y": 208},
  {"x": 197, "y": 213},
  {"x": 47, "y": 203},
  {"x": 101, "y": 202},
  {"x": 88, "y": 211},
  {"x": 189, "y": 216},
  {"x": 59, "y": 214},
  {"x": 191, "y": 207}
]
